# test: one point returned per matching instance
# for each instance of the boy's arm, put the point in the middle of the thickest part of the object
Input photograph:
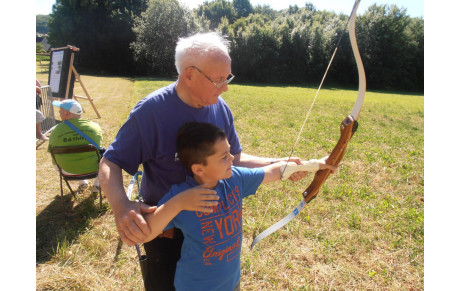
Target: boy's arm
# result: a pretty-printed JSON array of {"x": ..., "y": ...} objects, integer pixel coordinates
[
  {"x": 273, "y": 172},
  {"x": 194, "y": 199}
]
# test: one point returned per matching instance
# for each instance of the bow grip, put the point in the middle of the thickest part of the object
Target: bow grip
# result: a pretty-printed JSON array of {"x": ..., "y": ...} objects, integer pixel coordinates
[{"x": 347, "y": 129}]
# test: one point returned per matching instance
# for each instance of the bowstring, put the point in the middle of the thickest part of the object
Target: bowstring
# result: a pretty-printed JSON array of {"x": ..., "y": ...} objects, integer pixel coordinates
[{"x": 311, "y": 106}]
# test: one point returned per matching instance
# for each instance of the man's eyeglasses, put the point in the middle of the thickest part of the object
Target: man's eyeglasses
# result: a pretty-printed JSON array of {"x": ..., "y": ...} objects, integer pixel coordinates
[{"x": 220, "y": 84}]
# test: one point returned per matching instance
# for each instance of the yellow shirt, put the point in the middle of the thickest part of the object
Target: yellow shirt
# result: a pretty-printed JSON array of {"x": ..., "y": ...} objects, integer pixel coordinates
[{"x": 63, "y": 135}]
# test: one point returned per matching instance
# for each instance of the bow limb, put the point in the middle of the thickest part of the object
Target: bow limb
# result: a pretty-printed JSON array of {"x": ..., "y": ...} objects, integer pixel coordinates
[
  {"x": 359, "y": 63},
  {"x": 349, "y": 124},
  {"x": 347, "y": 129}
]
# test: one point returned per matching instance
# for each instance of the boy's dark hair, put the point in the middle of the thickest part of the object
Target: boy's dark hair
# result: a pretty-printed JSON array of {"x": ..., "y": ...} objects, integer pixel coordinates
[{"x": 195, "y": 142}]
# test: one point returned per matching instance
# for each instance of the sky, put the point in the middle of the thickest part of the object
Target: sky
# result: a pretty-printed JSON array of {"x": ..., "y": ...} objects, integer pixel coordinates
[{"x": 414, "y": 7}]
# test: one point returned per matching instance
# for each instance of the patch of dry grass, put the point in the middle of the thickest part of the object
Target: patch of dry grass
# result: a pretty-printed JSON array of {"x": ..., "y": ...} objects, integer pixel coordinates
[
  {"x": 79, "y": 249},
  {"x": 365, "y": 229}
]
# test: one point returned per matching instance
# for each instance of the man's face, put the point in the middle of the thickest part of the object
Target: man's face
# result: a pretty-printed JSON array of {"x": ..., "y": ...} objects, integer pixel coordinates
[
  {"x": 64, "y": 114},
  {"x": 205, "y": 91},
  {"x": 219, "y": 165}
]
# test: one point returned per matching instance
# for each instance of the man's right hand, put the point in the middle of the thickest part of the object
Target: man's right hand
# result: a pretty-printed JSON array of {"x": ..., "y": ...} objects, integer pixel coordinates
[{"x": 131, "y": 225}]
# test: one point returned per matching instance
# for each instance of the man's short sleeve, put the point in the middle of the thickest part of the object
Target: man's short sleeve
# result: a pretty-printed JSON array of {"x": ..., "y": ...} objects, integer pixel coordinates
[{"x": 126, "y": 149}]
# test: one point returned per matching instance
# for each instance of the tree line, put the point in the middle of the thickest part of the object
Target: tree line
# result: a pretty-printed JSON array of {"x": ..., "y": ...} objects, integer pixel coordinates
[
  {"x": 41, "y": 22},
  {"x": 291, "y": 46}
]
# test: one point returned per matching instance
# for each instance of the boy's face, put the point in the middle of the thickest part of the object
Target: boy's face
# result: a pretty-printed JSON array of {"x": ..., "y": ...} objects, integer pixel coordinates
[{"x": 219, "y": 165}]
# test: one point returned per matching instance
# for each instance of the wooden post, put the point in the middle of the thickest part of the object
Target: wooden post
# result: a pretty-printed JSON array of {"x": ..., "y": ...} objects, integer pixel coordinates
[
  {"x": 72, "y": 70},
  {"x": 69, "y": 76},
  {"x": 78, "y": 79}
]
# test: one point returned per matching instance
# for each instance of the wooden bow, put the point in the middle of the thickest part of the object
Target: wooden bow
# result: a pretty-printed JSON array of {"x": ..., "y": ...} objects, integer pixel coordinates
[{"x": 347, "y": 129}]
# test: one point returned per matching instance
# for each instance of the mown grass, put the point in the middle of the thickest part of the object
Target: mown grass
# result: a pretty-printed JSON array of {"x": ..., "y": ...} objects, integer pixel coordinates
[
  {"x": 42, "y": 63},
  {"x": 364, "y": 230}
]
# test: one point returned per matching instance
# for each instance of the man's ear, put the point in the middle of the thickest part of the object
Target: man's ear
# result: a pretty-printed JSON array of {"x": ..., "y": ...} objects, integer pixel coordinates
[{"x": 188, "y": 75}]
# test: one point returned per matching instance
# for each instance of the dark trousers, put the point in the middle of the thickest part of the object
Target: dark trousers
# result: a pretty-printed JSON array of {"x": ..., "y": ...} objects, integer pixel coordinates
[{"x": 162, "y": 256}]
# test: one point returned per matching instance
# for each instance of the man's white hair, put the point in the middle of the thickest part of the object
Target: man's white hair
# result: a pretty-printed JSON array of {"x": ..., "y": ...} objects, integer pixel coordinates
[{"x": 197, "y": 46}]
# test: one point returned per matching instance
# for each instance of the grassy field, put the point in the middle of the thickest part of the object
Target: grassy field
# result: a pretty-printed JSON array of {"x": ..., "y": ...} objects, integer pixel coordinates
[{"x": 364, "y": 231}]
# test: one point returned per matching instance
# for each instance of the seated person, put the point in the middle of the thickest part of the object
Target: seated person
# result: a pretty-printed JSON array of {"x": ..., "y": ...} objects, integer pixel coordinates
[
  {"x": 39, "y": 115},
  {"x": 38, "y": 93},
  {"x": 63, "y": 135},
  {"x": 38, "y": 129},
  {"x": 208, "y": 207}
]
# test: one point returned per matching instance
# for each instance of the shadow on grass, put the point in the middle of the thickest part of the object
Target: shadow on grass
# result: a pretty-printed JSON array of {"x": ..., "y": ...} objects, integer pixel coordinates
[
  {"x": 56, "y": 227},
  {"x": 118, "y": 251}
]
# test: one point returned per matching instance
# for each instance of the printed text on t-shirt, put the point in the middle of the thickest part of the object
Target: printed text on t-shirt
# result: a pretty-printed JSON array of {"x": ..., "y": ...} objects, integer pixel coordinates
[{"x": 221, "y": 229}]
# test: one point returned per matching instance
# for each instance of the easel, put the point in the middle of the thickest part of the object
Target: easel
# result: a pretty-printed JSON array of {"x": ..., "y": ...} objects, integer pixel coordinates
[{"x": 72, "y": 70}]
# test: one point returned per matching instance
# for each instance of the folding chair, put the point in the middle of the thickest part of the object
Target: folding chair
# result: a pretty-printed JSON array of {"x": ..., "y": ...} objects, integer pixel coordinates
[
  {"x": 65, "y": 176},
  {"x": 47, "y": 109}
]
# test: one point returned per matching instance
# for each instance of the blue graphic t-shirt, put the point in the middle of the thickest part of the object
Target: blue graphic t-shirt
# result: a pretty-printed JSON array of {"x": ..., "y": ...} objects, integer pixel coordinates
[{"x": 210, "y": 257}]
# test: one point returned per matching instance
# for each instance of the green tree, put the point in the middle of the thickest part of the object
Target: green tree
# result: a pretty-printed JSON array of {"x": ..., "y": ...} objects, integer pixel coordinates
[
  {"x": 416, "y": 31},
  {"x": 157, "y": 32},
  {"x": 255, "y": 49},
  {"x": 310, "y": 6},
  {"x": 42, "y": 23},
  {"x": 265, "y": 10},
  {"x": 242, "y": 8},
  {"x": 39, "y": 48},
  {"x": 215, "y": 10},
  {"x": 390, "y": 51},
  {"x": 102, "y": 30},
  {"x": 294, "y": 46}
]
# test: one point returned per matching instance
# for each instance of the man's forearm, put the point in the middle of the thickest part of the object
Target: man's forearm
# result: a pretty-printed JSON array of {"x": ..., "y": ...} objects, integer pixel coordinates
[
  {"x": 111, "y": 180},
  {"x": 248, "y": 161}
]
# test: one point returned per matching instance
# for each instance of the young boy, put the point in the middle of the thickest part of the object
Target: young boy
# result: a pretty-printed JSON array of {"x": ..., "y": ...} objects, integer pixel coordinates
[{"x": 207, "y": 208}]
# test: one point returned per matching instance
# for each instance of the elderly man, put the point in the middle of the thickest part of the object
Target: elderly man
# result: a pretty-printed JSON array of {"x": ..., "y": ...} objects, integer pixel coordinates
[
  {"x": 148, "y": 137},
  {"x": 63, "y": 135}
]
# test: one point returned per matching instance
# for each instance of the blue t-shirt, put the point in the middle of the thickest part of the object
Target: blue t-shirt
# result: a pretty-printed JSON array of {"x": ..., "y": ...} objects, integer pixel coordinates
[
  {"x": 148, "y": 137},
  {"x": 210, "y": 256}
]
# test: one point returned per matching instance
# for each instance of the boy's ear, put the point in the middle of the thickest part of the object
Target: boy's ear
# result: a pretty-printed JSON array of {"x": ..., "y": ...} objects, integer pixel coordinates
[{"x": 197, "y": 169}]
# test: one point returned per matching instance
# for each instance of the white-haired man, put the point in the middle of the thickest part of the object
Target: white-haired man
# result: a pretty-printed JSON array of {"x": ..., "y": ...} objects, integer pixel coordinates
[
  {"x": 63, "y": 135},
  {"x": 148, "y": 138}
]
